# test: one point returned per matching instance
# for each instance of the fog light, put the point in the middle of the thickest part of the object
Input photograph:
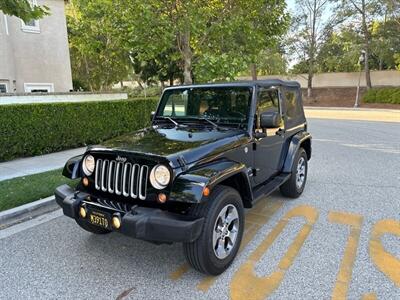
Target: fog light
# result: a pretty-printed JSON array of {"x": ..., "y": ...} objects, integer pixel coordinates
[
  {"x": 85, "y": 181},
  {"x": 82, "y": 212},
  {"x": 116, "y": 222},
  {"x": 162, "y": 198}
]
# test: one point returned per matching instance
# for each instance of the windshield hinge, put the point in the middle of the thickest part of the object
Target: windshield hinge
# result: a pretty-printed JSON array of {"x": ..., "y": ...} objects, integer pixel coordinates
[{"x": 182, "y": 162}]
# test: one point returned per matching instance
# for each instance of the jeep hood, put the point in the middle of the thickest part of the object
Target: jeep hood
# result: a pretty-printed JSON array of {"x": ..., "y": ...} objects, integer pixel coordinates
[{"x": 188, "y": 143}]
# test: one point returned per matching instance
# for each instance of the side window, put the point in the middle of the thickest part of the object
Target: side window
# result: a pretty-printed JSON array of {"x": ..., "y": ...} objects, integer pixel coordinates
[
  {"x": 268, "y": 101},
  {"x": 291, "y": 106}
]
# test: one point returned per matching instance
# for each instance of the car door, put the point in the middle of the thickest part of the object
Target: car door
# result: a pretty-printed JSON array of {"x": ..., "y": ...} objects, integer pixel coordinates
[{"x": 267, "y": 149}]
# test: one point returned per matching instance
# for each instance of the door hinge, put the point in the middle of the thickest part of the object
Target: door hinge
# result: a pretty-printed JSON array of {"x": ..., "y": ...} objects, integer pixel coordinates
[{"x": 254, "y": 146}]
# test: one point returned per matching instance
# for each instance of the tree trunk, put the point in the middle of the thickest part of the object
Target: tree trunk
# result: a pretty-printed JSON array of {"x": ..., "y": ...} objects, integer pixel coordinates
[
  {"x": 187, "y": 58},
  {"x": 366, "y": 41},
  {"x": 309, "y": 83},
  {"x": 162, "y": 85},
  {"x": 253, "y": 68},
  {"x": 171, "y": 81}
]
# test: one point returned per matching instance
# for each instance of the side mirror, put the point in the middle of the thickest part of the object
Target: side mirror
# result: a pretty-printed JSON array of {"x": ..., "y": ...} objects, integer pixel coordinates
[
  {"x": 152, "y": 114},
  {"x": 270, "y": 120}
]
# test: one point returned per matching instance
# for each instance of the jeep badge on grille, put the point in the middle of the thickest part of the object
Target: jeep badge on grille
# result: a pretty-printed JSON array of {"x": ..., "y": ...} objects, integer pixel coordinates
[{"x": 121, "y": 159}]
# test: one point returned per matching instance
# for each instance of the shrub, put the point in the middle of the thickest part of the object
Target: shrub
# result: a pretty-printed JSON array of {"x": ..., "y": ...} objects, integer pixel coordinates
[
  {"x": 34, "y": 129},
  {"x": 383, "y": 95}
]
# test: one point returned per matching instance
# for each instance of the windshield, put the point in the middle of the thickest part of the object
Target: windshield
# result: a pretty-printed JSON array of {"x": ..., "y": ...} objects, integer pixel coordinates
[{"x": 222, "y": 105}]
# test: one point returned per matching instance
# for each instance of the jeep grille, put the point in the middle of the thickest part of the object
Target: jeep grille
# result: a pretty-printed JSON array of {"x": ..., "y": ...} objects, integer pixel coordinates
[{"x": 121, "y": 178}]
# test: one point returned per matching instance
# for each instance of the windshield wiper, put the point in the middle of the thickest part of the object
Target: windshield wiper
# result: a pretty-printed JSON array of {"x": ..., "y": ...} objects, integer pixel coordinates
[
  {"x": 171, "y": 120},
  {"x": 215, "y": 125}
]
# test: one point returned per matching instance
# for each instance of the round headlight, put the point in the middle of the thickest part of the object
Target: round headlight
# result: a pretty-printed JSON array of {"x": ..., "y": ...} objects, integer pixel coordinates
[
  {"x": 88, "y": 165},
  {"x": 160, "y": 177}
]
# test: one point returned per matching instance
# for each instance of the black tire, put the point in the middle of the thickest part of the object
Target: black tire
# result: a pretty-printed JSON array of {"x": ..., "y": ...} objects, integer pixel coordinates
[
  {"x": 91, "y": 228},
  {"x": 290, "y": 188},
  {"x": 200, "y": 254}
]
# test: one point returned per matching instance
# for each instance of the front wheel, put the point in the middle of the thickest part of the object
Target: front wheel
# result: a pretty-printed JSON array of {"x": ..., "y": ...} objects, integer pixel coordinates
[
  {"x": 213, "y": 252},
  {"x": 294, "y": 187}
]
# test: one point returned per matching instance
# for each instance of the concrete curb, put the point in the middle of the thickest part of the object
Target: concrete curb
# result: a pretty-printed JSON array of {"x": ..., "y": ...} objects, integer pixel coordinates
[{"x": 26, "y": 208}]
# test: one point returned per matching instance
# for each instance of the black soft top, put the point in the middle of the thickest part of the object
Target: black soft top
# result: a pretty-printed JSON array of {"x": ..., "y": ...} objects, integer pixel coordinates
[{"x": 250, "y": 83}]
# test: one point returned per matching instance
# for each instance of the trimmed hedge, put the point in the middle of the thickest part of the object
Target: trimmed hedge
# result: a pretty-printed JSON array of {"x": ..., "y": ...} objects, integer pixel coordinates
[
  {"x": 383, "y": 95},
  {"x": 34, "y": 129}
]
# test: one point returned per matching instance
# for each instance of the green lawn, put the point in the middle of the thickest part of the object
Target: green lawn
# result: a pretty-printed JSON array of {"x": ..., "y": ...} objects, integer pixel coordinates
[{"x": 25, "y": 189}]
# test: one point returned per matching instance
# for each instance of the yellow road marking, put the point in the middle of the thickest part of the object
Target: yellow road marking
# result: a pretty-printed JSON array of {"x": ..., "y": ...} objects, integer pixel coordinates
[
  {"x": 384, "y": 261},
  {"x": 346, "y": 267},
  {"x": 246, "y": 284},
  {"x": 264, "y": 207},
  {"x": 360, "y": 115},
  {"x": 265, "y": 212},
  {"x": 370, "y": 296},
  {"x": 178, "y": 273}
]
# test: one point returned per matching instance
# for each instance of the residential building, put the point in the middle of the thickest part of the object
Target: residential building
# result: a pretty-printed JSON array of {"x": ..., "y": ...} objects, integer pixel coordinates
[{"x": 34, "y": 56}]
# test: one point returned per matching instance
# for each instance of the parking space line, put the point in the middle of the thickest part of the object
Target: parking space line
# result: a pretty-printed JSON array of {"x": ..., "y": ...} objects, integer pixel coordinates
[
  {"x": 265, "y": 208},
  {"x": 369, "y": 296},
  {"x": 246, "y": 284},
  {"x": 344, "y": 275},
  {"x": 383, "y": 260}
]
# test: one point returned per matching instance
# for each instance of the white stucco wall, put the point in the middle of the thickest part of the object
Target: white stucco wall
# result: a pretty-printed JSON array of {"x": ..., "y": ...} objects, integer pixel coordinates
[
  {"x": 37, "y": 57},
  {"x": 56, "y": 98}
]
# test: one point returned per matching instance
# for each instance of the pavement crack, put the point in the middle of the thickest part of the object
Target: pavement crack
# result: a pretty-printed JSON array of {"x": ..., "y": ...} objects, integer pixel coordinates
[{"x": 124, "y": 294}]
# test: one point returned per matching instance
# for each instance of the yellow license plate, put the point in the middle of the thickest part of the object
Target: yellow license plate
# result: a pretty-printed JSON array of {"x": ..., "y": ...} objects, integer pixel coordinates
[{"x": 99, "y": 219}]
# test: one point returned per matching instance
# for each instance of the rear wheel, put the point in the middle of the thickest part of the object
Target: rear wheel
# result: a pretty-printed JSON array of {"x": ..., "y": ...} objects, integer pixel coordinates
[
  {"x": 213, "y": 252},
  {"x": 294, "y": 187},
  {"x": 91, "y": 228}
]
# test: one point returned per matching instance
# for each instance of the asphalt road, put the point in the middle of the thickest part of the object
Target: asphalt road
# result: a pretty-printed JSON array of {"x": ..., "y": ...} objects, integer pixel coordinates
[{"x": 340, "y": 239}]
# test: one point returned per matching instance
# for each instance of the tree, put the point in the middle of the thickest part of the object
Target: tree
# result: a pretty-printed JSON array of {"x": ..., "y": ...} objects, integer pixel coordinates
[
  {"x": 308, "y": 29},
  {"x": 340, "y": 50},
  {"x": 99, "y": 55},
  {"x": 23, "y": 9},
  {"x": 361, "y": 12},
  {"x": 222, "y": 37},
  {"x": 272, "y": 61}
]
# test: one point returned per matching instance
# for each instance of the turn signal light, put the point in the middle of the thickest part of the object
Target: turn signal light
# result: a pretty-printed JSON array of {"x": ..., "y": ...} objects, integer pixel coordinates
[
  {"x": 85, "y": 181},
  {"x": 82, "y": 212},
  {"x": 206, "y": 191},
  {"x": 116, "y": 222},
  {"x": 162, "y": 198}
]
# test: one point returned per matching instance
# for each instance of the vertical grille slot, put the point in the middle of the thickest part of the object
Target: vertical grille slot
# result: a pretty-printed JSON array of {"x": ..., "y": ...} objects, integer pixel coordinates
[
  {"x": 97, "y": 175},
  {"x": 143, "y": 182},
  {"x": 127, "y": 179},
  {"x": 111, "y": 177},
  {"x": 104, "y": 175},
  {"x": 118, "y": 178},
  {"x": 134, "y": 183}
]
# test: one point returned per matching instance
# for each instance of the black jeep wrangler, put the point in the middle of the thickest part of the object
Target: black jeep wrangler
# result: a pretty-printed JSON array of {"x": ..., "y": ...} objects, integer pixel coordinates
[{"x": 211, "y": 151}]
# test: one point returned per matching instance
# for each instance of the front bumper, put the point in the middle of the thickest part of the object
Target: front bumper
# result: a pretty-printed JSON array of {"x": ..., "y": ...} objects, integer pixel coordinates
[{"x": 144, "y": 223}]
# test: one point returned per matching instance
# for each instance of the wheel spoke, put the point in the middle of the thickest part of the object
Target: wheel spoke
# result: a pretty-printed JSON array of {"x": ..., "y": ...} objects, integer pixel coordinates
[
  {"x": 231, "y": 217},
  {"x": 221, "y": 252}
]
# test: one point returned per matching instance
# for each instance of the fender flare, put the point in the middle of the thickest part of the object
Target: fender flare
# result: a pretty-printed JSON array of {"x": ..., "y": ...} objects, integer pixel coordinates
[
  {"x": 72, "y": 168},
  {"x": 294, "y": 146},
  {"x": 188, "y": 187}
]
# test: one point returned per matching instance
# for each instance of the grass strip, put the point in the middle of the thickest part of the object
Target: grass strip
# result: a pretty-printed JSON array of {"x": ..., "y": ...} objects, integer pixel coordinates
[{"x": 25, "y": 189}]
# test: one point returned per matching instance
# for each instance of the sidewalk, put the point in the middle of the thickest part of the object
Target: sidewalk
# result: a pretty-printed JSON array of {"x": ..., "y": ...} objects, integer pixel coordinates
[
  {"x": 36, "y": 164},
  {"x": 358, "y": 114}
]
